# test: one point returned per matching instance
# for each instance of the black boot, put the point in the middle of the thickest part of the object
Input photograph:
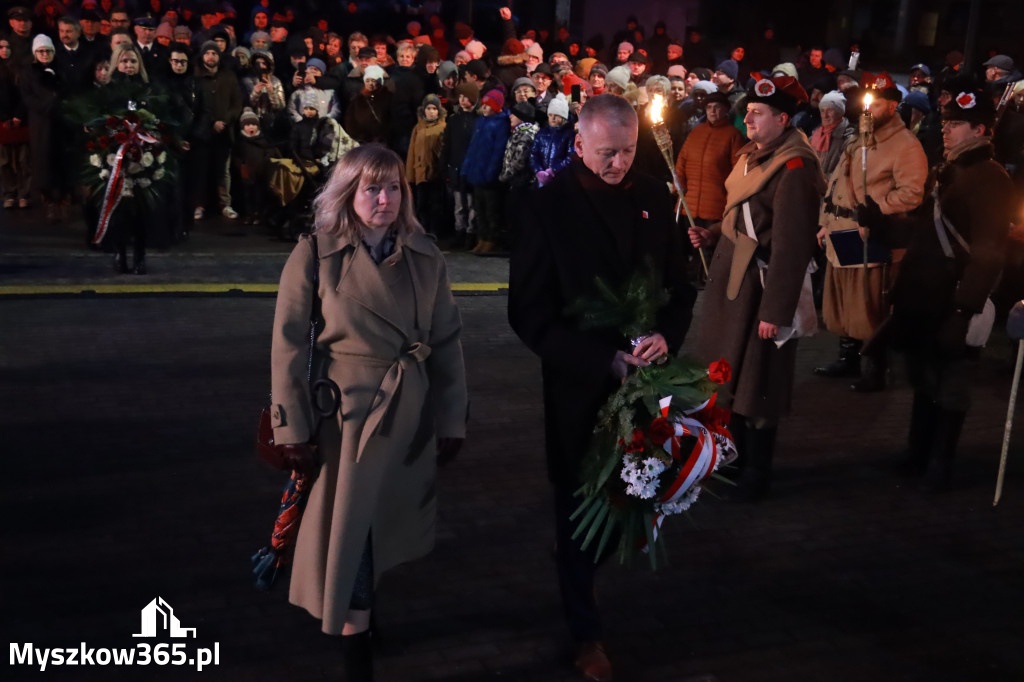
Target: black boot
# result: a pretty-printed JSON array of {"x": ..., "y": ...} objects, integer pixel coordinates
[
  {"x": 924, "y": 416},
  {"x": 754, "y": 479},
  {"x": 121, "y": 261},
  {"x": 943, "y": 451},
  {"x": 139, "y": 262},
  {"x": 872, "y": 379},
  {"x": 848, "y": 364},
  {"x": 358, "y": 652}
]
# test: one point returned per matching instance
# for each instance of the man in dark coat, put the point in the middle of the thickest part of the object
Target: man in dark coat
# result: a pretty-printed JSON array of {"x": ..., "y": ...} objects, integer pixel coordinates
[
  {"x": 214, "y": 128},
  {"x": 596, "y": 219},
  {"x": 73, "y": 57},
  {"x": 758, "y": 272},
  {"x": 945, "y": 279}
]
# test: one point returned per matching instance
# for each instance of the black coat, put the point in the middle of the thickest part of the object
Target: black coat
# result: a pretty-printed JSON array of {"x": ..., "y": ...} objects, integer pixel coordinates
[
  {"x": 976, "y": 196},
  {"x": 576, "y": 229},
  {"x": 41, "y": 91}
]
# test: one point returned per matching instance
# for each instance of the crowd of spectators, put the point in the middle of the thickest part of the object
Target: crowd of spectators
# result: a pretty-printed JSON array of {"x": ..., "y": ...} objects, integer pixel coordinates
[{"x": 481, "y": 121}]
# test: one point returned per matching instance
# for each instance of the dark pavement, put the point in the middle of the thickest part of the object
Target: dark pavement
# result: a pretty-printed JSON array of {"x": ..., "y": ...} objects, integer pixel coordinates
[{"x": 128, "y": 424}]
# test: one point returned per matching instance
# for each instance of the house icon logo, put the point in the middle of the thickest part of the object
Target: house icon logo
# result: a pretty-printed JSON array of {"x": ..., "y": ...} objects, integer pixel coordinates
[{"x": 158, "y": 619}]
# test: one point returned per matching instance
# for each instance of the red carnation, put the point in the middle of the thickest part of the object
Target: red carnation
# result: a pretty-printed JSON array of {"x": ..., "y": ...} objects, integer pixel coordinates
[
  {"x": 121, "y": 138},
  {"x": 638, "y": 443},
  {"x": 104, "y": 141},
  {"x": 720, "y": 371},
  {"x": 90, "y": 145},
  {"x": 661, "y": 430},
  {"x": 112, "y": 121}
]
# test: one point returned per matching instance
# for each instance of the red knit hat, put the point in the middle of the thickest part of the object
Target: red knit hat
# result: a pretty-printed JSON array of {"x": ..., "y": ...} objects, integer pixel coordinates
[
  {"x": 494, "y": 99},
  {"x": 513, "y": 47}
]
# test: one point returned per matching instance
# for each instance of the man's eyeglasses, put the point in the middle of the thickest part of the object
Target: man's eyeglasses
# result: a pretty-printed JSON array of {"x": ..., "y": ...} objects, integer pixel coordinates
[{"x": 179, "y": 61}]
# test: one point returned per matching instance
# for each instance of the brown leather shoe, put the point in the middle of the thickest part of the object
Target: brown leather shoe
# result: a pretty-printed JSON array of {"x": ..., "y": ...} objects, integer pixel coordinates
[{"x": 593, "y": 663}]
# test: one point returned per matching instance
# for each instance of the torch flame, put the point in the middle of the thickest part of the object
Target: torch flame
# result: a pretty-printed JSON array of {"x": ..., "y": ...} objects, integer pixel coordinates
[
  {"x": 867, "y": 100},
  {"x": 656, "y": 108}
]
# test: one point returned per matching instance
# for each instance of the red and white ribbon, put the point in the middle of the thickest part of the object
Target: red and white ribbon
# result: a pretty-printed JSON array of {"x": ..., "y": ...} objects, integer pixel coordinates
[{"x": 115, "y": 185}]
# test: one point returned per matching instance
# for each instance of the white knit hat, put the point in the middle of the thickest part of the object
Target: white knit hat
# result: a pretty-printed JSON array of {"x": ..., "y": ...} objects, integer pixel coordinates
[
  {"x": 374, "y": 72},
  {"x": 618, "y": 76},
  {"x": 41, "y": 40},
  {"x": 559, "y": 106},
  {"x": 706, "y": 86},
  {"x": 834, "y": 99}
]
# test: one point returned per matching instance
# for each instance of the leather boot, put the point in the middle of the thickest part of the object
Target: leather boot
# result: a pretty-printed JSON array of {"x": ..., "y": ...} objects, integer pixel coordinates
[
  {"x": 139, "y": 261},
  {"x": 872, "y": 379},
  {"x": 358, "y": 652},
  {"x": 755, "y": 477},
  {"x": 848, "y": 364},
  {"x": 943, "y": 451},
  {"x": 121, "y": 262},
  {"x": 924, "y": 417}
]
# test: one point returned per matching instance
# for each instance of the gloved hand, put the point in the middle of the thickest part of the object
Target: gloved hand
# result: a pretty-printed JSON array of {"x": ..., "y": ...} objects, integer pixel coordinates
[
  {"x": 870, "y": 214},
  {"x": 952, "y": 339},
  {"x": 447, "y": 448},
  {"x": 544, "y": 176},
  {"x": 302, "y": 458}
]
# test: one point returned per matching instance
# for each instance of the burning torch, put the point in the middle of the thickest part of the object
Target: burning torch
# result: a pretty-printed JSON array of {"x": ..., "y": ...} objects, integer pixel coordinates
[
  {"x": 867, "y": 126},
  {"x": 664, "y": 140}
]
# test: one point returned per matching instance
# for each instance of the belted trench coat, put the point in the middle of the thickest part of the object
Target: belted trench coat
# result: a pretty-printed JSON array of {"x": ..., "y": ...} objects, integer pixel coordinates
[{"x": 391, "y": 341}]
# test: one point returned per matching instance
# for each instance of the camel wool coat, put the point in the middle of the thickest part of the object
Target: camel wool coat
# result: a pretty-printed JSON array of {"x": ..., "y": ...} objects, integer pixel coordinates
[{"x": 390, "y": 339}]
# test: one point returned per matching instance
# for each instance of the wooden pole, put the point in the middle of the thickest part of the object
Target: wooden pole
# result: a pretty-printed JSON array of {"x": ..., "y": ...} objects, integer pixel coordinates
[{"x": 1009, "y": 423}]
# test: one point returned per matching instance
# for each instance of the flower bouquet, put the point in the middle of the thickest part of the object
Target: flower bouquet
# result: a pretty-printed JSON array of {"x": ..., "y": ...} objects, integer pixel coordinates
[
  {"x": 658, "y": 438},
  {"x": 126, "y": 144}
]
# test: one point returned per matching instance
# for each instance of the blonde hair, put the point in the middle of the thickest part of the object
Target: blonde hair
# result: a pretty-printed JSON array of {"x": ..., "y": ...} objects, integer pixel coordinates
[
  {"x": 115, "y": 58},
  {"x": 375, "y": 164}
]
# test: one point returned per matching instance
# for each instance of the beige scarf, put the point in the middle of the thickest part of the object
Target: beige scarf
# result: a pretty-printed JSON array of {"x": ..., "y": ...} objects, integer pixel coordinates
[{"x": 743, "y": 183}]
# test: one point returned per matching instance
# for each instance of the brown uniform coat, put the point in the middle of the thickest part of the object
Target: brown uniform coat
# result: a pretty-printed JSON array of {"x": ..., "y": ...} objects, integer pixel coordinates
[
  {"x": 390, "y": 340},
  {"x": 785, "y": 217}
]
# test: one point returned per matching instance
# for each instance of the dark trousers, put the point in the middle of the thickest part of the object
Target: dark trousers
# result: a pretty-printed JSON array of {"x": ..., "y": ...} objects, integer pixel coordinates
[
  {"x": 945, "y": 382},
  {"x": 428, "y": 198},
  {"x": 576, "y": 570},
  {"x": 490, "y": 211},
  {"x": 207, "y": 160}
]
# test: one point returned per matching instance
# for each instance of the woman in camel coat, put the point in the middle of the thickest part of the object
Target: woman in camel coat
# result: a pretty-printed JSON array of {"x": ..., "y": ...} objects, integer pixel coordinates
[{"x": 390, "y": 339}]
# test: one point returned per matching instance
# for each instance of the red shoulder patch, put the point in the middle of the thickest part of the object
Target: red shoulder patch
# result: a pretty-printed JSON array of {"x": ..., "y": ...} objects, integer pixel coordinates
[{"x": 795, "y": 163}]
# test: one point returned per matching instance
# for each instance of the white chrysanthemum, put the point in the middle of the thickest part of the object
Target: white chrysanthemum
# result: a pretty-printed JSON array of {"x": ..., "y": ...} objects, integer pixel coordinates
[
  {"x": 158, "y": 174},
  {"x": 143, "y": 182},
  {"x": 680, "y": 505},
  {"x": 111, "y": 159},
  {"x": 134, "y": 168},
  {"x": 147, "y": 159},
  {"x": 96, "y": 161},
  {"x": 127, "y": 193},
  {"x": 128, "y": 184},
  {"x": 162, "y": 158},
  {"x": 104, "y": 174}
]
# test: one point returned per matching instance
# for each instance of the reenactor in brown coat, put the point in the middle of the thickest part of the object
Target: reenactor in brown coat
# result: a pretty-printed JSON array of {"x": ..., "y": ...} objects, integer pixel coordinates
[
  {"x": 896, "y": 172},
  {"x": 943, "y": 288},
  {"x": 757, "y": 274}
]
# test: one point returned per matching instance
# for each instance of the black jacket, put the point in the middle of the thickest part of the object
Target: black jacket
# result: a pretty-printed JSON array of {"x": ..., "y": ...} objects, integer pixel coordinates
[{"x": 576, "y": 229}]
